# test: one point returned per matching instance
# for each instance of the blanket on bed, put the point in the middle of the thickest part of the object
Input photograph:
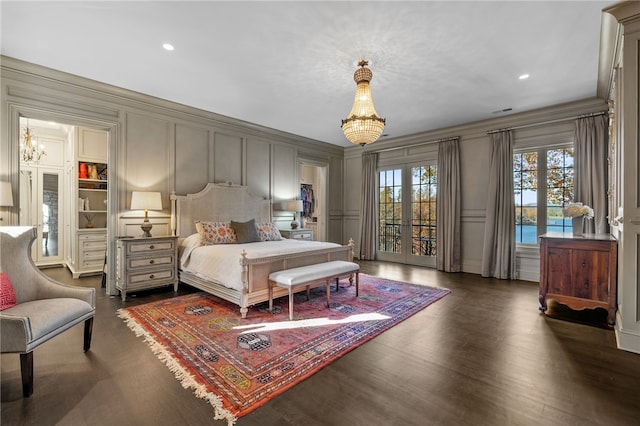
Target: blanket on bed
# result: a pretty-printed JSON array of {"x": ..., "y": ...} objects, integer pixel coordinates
[{"x": 221, "y": 262}]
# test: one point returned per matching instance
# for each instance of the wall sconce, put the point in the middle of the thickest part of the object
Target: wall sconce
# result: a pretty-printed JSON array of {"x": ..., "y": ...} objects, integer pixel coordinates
[{"x": 146, "y": 200}]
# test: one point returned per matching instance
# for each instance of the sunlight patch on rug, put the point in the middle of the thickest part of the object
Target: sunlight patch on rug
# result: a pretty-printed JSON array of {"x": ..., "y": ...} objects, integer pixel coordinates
[{"x": 238, "y": 364}]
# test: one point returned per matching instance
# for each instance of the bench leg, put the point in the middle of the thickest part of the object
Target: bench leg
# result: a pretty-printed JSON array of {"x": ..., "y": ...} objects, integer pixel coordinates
[
  {"x": 328, "y": 293},
  {"x": 270, "y": 297},
  {"x": 290, "y": 304},
  {"x": 357, "y": 282},
  {"x": 337, "y": 284}
]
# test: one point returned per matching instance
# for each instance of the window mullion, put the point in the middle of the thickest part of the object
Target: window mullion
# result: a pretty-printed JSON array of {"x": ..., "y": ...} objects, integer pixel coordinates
[{"x": 542, "y": 192}]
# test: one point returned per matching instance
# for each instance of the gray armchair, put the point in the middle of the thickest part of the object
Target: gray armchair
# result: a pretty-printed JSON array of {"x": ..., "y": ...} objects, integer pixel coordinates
[{"x": 44, "y": 309}]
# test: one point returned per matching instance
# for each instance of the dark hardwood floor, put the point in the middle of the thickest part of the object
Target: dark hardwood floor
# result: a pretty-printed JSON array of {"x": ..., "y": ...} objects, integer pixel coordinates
[{"x": 483, "y": 355}]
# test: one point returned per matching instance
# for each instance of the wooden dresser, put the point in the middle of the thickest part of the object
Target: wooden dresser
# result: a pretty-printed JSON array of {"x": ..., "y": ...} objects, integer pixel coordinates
[
  {"x": 143, "y": 263},
  {"x": 579, "y": 272}
]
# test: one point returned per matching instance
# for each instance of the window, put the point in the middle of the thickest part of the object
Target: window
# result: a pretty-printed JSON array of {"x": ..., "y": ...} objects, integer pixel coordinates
[{"x": 543, "y": 185}]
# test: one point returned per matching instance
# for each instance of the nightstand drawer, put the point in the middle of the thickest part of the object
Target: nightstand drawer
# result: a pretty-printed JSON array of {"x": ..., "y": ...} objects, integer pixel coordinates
[
  {"x": 150, "y": 247},
  {"x": 149, "y": 277},
  {"x": 138, "y": 263},
  {"x": 302, "y": 235},
  {"x": 298, "y": 234}
]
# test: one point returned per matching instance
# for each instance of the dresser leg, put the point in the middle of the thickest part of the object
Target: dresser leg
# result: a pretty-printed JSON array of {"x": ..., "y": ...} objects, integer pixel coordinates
[{"x": 543, "y": 302}]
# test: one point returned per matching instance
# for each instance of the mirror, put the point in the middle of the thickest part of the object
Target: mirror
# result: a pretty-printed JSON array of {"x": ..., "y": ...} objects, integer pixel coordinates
[{"x": 50, "y": 218}]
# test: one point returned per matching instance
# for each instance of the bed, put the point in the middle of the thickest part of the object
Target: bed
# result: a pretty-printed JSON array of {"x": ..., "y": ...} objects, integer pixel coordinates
[{"x": 238, "y": 272}]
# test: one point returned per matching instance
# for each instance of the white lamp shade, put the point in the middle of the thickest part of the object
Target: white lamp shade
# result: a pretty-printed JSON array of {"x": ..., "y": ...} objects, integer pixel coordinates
[
  {"x": 6, "y": 195},
  {"x": 146, "y": 200},
  {"x": 294, "y": 206}
]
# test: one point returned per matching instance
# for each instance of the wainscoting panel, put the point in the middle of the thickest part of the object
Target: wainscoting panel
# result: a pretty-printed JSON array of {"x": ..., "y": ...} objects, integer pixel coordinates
[
  {"x": 285, "y": 173},
  {"x": 147, "y": 153},
  {"x": 258, "y": 167},
  {"x": 192, "y": 155},
  {"x": 353, "y": 175},
  {"x": 227, "y": 158}
]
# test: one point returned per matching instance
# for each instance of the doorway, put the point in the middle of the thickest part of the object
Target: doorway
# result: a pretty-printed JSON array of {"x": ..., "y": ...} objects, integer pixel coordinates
[
  {"x": 407, "y": 214},
  {"x": 313, "y": 192},
  {"x": 43, "y": 193},
  {"x": 54, "y": 198}
]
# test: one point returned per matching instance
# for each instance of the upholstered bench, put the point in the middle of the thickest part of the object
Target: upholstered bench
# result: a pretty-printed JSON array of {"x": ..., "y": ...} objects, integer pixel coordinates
[{"x": 311, "y": 276}]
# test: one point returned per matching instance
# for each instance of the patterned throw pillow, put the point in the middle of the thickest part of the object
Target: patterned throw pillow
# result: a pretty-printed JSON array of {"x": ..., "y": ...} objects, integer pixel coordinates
[
  {"x": 216, "y": 233},
  {"x": 7, "y": 295},
  {"x": 268, "y": 231}
]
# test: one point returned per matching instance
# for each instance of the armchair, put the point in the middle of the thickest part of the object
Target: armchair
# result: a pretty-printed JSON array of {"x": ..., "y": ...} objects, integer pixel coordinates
[{"x": 44, "y": 308}]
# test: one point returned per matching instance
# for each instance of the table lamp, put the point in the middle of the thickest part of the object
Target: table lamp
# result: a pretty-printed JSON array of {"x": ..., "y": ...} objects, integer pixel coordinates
[
  {"x": 294, "y": 206},
  {"x": 146, "y": 200}
]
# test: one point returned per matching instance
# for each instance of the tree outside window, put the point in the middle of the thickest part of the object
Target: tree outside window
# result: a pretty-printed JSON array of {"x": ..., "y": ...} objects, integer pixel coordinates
[{"x": 540, "y": 211}]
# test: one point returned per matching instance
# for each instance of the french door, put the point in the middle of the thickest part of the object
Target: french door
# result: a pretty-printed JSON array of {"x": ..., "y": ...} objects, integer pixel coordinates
[{"x": 407, "y": 214}]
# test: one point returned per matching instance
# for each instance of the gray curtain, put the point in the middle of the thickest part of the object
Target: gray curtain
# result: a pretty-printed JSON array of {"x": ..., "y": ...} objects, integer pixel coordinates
[
  {"x": 448, "y": 257},
  {"x": 590, "y": 168},
  {"x": 368, "y": 207},
  {"x": 499, "y": 249}
]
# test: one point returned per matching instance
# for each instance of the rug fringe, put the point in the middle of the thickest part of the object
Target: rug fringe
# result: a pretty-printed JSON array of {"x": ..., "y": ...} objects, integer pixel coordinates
[{"x": 185, "y": 378}]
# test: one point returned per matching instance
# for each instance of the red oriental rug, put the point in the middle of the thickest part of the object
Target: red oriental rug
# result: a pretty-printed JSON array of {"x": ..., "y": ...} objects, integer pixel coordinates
[{"x": 239, "y": 364}]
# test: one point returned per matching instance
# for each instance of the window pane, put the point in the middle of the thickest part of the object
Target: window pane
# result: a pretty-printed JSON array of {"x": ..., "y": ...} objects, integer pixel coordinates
[
  {"x": 525, "y": 180},
  {"x": 559, "y": 188},
  {"x": 390, "y": 211},
  {"x": 423, "y": 210}
]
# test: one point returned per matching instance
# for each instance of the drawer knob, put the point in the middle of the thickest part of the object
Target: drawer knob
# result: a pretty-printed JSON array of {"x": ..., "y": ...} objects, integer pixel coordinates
[
  {"x": 151, "y": 276},
  {"x": 151, "y": 247}
]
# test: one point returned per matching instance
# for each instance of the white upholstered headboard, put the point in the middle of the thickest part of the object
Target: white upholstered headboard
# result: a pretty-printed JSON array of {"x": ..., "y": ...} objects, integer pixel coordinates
[{"x": 217, "y": 202}]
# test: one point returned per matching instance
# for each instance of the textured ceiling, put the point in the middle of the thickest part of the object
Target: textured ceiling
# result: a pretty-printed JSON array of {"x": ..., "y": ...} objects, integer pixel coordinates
[{"x": 289, "y": 65}]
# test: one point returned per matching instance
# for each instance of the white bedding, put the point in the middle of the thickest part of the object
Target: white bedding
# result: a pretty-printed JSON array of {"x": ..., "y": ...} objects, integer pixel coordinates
[{"x": 221, "y": 262}]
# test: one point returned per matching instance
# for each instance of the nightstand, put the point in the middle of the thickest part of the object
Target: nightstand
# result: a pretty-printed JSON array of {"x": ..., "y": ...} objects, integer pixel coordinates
[
  {"x": 143, "y": 263},
  {"x": 298, "y": 234}
]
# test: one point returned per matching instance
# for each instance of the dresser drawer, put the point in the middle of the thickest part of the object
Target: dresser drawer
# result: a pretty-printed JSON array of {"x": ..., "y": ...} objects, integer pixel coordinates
[
  {"x": 96, "y": 263},
  {"x": 150, "y": 247},
  {"x": 93, "y": 245},
  {"x": 92, "y": 254},
  {"x": 101, "y": 236},
  {"x": 146, "y": 262}
]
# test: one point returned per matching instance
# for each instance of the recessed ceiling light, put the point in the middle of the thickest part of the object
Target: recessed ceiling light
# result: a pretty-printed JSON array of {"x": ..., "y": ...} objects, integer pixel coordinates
[
  {"x": 524, "y": 76},
  {"x": 167, "y": 46}
]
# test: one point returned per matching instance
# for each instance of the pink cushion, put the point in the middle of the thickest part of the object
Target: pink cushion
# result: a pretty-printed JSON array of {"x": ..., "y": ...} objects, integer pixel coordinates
[{"x": 7, "y": 295}]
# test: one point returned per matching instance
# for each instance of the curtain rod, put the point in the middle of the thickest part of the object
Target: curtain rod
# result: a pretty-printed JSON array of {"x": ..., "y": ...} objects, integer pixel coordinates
[
  {"x": 452, "y": 138},
  {"x": 559, "y": 120}
]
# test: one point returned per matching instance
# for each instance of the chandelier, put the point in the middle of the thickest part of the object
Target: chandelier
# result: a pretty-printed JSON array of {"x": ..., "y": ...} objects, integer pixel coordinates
[
  {"x": 363, "y": 125},
  {"x": 29, "y": 148}
]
